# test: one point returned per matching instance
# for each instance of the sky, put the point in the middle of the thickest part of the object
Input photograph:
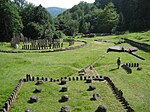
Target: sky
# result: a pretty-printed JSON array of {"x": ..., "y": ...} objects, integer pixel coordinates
[{"x": 58, "y": 3}]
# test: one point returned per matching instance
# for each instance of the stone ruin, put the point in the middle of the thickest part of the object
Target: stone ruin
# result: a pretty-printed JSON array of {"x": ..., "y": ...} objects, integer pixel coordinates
[
  {"x": 101, "y": 108},
  {"x": 126, "y": 68},
  {"x": 15, "y": 42},
  {"x": 29, "y": 110},
  {"x": 91, "y": 88},
  {"x": 65, "y": 109},
  {"x": 39, "y": 82},
  {"x": 89, "y": 80},
  {"x": 64, "y": 89},
  {"x": 33, "y": 99},
  {"x": 37, "y": 90},
  {"x": 64, "y": 98},
  {"x": 118, "y": 93},
  {"x": 40, "y": 44},
  {"x": 63, "y": 82},
  {"x": 96, "y": 96},
  {"x": 44, "y": 44}
]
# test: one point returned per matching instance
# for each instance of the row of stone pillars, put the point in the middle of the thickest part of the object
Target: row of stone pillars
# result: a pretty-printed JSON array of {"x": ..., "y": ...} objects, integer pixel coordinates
[
  {"x": 6, "y": 107},
  {"x": 77, "y": 78},
  {"x": 119, "y": 95}
]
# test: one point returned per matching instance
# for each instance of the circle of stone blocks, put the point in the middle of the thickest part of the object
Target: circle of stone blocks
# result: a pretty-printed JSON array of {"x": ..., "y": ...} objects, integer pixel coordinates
[
  {"x": 65, "y": 109},
  {"x": 39, "y": 82},
  {"x": 63, "y": 81},
  {"x": 64, "y": 89},
  {"x": 33, "y": 99},
  {"x": 96, "y": 96},
  {"x": 64, "y": 98},
  {"x": 37, "y": 90},
  {"x": 89, "y": 80},
  {"x": 91, "y": 87},
  {"x": 29, "y": 110},
  {"x": 101, "y": 108}
]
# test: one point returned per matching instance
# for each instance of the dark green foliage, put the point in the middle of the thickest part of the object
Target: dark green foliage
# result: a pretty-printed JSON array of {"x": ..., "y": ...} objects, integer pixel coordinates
[
  {"x": 21, "y": 4},
  {"x": 66, "y": 24},
  {"x": 103, "y": 16},
  {"x": 33, "y": 30},
  {"x": 84, "y": 26},
  {"x": 58, "y": 34},
  {"x": 86, "y": 18},
  {"x": 18, "y": 16},
  {"x": 10, "y": 21},
  {"x": 134, "y": 16},
  {"x": 40, "y": 19}
]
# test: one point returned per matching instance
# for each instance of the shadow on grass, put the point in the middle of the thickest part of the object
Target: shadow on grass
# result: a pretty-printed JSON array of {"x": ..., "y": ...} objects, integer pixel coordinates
[
  {"x": 30, "y": 102},
  {"x": 113, "y": 69}
]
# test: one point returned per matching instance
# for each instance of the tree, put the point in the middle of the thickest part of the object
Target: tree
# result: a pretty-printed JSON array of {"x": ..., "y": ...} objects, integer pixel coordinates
[
  {"x": 39, "y": 16},
  {"x": 58, "y": 34},
  {"x": 26, "y": 14},
  {"x": 21, "y": 4},
  {"x": 84, "y": 26},
  {"x": 10, "y": 21},
  {"x": 141, "y": 16},
  {"x": 121, "y": 23},
  {"x": 111, "y": 18},
  {"x": 72, "y": 27},
  {"x": 33, "y": 30}
]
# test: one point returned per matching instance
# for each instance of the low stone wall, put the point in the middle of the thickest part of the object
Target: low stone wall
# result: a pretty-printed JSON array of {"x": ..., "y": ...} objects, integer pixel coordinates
[
  {"x": 77, "y": 78},
  {"x": 138, "y": 45},
  {"x": 12, "y": 97},
  {"x": 132, "y": 64},
  {"x": 119, "y": 95}
]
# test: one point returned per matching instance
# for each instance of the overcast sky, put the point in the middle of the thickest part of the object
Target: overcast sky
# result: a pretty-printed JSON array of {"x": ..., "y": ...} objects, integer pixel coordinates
[{"x": 58, "y": 3}]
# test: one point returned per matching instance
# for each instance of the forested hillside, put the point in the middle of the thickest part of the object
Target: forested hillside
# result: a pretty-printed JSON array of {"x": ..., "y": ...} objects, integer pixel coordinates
[
  {"x": 20, "y": 18},
  {"x": 55, "y": 11},
  {"x": 134, "y": 14},
  {"x": 106, "y": 16}
]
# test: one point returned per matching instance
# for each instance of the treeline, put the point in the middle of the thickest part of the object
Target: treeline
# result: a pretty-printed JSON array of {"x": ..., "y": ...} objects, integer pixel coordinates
[
  {"x": 134, "y": 14},
  {"x": 105, "y": 16},
  {"x": 20, "y": 18}
]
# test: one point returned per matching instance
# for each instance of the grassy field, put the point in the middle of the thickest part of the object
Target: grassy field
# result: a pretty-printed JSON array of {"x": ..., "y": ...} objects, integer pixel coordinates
[
  {"x": 79, "y": 97},
  {"x": 55, "y": 65},
  {"x": 142, "y": 37}
]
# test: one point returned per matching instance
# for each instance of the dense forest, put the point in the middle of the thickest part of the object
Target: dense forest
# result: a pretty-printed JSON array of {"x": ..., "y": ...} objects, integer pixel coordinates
[
  {"x": 106, "y": 16},
  {"x": 18, "y": 17}
]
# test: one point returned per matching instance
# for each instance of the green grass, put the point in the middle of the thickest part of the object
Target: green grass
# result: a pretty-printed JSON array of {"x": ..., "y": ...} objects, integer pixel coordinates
[
  {"x": 79, "y": 97},
  {"x": 15, "y": 66},
  {"x": 135, "y": 86},
  {"x": 142, "y": 37}
]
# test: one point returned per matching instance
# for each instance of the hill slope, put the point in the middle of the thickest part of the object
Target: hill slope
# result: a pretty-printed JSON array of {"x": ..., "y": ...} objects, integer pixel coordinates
[{"x": 55, "y": 11}]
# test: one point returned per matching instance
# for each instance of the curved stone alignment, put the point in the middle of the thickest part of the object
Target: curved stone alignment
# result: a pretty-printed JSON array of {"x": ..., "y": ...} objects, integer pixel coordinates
[
  {"x": 45, "y": 51},
  {"x": 118, "y": 93}
]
